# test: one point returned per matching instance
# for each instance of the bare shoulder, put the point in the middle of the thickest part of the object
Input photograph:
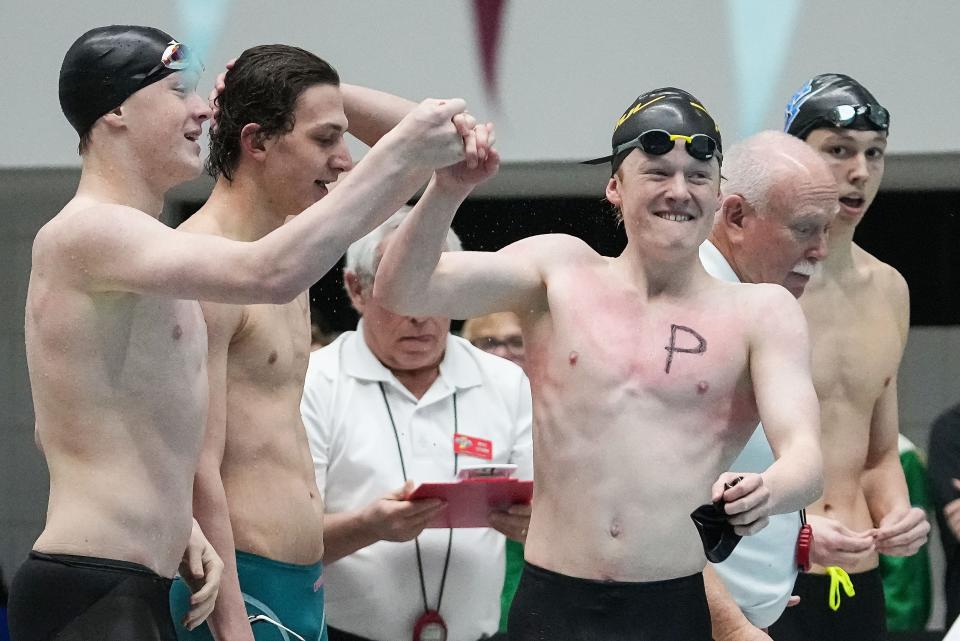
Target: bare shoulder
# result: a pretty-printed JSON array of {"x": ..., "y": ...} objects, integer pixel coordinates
[
  {"x": 770, "y": 306},
  {"x": 82, "y": 230},
  {"x": 890, "y": 285},
  {"x": 202, "y": 222},
  {"x": 554, "y": 249},
  {"x": 85, "y": 225},
  {"x": 884, "y": 275}
]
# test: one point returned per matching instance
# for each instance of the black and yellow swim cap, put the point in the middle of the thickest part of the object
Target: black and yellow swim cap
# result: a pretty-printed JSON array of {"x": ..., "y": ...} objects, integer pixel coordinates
[
  {"x": 669, "y": 109},
  {"x": 833, "y": 100},
  {"x": 107, "y": 65}
]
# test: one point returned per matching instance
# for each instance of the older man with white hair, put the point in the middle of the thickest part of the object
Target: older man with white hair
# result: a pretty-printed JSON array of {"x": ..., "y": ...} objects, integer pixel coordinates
[
  {"x": 779, "y": 199},
  {"x": 399, "y": 401}
]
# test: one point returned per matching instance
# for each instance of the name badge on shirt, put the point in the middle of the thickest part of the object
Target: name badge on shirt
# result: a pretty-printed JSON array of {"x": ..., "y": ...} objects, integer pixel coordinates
[{"x": 473, "y": 446}]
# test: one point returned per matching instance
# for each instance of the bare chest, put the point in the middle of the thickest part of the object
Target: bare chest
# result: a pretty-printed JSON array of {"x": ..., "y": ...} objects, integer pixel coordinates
[
  {"x": 856, "y": 345},
  {"x": 138, "y": 360},
  {"x": 272, "y": 347},
  {"x": 682, "y": 355}
]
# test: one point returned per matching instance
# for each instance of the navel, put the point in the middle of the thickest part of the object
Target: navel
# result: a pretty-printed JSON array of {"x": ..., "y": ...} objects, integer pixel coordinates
[
  {"x": 272, "y": 358},
  {"x": 177, "y": 332},
  {"x": 615, "y": 529},
  {"x": 572, "y": 358},
  {"x": 702, "y": 387}
]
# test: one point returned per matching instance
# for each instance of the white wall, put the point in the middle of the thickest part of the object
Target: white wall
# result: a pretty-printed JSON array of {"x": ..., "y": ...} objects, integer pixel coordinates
[{"x": 568, "y": 67}]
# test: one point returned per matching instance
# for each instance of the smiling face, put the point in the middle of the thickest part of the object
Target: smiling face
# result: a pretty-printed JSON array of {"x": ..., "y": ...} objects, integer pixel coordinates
[
  {"x": 299, "y": 165},
  {"x": 667, "y": 201},
  {"x": 163, "y": 122},
  {"x": 856, "y": 159}
]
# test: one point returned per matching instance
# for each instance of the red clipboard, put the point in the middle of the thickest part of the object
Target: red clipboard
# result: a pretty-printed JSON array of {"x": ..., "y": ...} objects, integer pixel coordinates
[{"x": 470, "y": 501}]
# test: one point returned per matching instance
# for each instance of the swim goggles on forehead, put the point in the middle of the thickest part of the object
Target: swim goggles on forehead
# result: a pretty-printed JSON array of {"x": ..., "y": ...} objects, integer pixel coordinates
[
  {"x": 843, "y": 115},
  {"x": 658, "y": 142},
  {"x": 176, "y": 56}
]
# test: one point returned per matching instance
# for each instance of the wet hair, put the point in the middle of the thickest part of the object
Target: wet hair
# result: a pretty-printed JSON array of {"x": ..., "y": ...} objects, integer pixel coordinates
[{"x": 263, "y": 87}]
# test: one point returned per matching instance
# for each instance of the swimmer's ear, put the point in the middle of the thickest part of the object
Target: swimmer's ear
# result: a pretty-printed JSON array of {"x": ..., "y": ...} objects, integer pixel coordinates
[{"x": 252, "y": 141}]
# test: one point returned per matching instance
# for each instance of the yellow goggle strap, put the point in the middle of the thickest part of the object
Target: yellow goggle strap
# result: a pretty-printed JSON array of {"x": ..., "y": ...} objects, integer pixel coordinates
[{"x": 838, "y": 578}]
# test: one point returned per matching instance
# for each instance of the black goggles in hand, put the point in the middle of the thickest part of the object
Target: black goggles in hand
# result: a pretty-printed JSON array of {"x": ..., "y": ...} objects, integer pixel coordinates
[{"x": 658, "y": 142}]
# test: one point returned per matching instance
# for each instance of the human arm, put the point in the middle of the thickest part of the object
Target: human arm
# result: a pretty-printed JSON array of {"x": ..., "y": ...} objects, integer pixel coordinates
[
  {"x": 416, "y": 277},
  {"x": 900, "y": 528},
  {"x": 390, "y": 518},
  {"x": 228, "y": 621},
  {"x": 201, "y": 569},
  {"x": 459, "y": 284},
  {"x": 372, "y": 113},
  {"x": 836, "y": 544},
  {"x": 117, "y": 248},
  {"x": 951, "y": 512},
  {"x": 727, "y": 621},
  {"x": 789, "y": 411},
  {"x": 943, "y": 469}
]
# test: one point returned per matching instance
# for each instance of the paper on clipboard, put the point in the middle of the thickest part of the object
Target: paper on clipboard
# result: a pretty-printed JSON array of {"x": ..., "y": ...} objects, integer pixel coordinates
[{"x": 470, "y": 501}]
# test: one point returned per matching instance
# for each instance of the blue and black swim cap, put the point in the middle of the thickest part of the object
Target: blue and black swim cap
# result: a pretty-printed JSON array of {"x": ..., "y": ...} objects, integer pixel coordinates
[
  {"x": 669, "y": 111},
  {"x": 833, "y": 100},
  {"x": 107, "y": 65}
]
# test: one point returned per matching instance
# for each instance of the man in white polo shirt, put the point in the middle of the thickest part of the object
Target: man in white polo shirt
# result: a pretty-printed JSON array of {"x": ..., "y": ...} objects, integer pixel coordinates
[
  {"x": 779, "y": 200},
  {"x": 381, "y": 407}
]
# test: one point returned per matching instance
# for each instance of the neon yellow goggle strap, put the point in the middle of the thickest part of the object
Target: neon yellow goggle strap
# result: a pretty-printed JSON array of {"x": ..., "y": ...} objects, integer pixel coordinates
[{"x": 838, "y": 578}]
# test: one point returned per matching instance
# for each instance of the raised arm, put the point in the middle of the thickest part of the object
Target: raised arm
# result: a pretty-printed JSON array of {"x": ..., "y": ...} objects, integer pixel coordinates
[
  {"x": 416, "y": 277},
  {"x": 372, "y": 113},
  {"x": 115, "y": 248},
  {"x": 788, "y": 404}
]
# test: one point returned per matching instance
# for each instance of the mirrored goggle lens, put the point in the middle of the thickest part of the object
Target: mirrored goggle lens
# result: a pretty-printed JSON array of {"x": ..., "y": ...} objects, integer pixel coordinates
[
  {"x": 843, "y": 114},
  {"x": 176, "y": 56}
]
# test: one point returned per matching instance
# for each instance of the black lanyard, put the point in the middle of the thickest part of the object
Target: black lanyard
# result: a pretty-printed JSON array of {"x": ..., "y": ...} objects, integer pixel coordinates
[{"x": 403, "y": 468}]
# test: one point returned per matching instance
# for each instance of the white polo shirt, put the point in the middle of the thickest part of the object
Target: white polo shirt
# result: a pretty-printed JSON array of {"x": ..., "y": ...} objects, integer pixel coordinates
[
  {"x": 375, "y": 592},
  {"x": 762, "y": 569}
]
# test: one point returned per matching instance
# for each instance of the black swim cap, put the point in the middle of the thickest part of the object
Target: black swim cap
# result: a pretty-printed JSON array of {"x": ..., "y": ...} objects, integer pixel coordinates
[
  {"x": 833, "y": 100},
  {"x": 669, "y": 109},
  {"x": 107, "y": 65}
]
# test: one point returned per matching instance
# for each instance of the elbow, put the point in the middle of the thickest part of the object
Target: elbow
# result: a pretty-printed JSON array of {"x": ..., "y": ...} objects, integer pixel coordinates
[
  {"x": 815, "y": 482},
  {"x": 816, "y": 489},
  {"x": 392, "y": 298}
]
